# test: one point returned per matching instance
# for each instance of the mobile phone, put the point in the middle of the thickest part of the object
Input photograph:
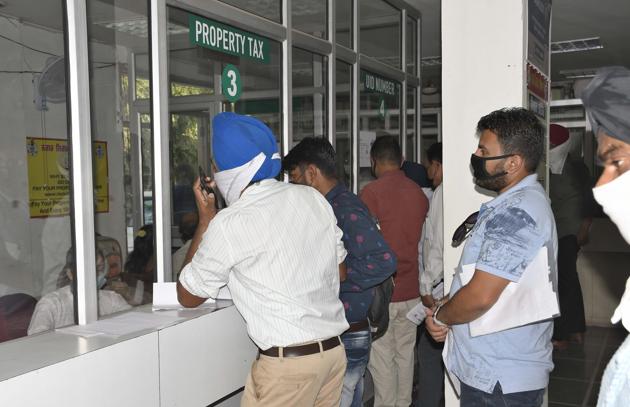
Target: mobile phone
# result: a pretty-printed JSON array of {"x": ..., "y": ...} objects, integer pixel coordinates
[{"x": 218, "y": 199}]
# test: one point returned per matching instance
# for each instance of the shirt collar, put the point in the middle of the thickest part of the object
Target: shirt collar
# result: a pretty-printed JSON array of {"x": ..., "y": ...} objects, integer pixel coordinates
[
  {"x": 528, "y": 181},
  {"x": 336, "y": 191}
]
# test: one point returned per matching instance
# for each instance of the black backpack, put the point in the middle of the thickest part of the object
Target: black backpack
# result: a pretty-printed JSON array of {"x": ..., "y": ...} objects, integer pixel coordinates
[{"x": 378, "y": 314}]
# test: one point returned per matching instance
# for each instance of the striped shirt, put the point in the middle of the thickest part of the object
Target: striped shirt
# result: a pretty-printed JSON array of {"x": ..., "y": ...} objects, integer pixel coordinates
[{"x": 278, "y": 249}]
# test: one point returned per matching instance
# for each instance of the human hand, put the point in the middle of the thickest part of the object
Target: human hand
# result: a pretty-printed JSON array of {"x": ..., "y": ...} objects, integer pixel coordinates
[
  {"x": 437, "y": 332},
  {"x": 205, "y": 201},
  {"x": 427, "y": 300}
]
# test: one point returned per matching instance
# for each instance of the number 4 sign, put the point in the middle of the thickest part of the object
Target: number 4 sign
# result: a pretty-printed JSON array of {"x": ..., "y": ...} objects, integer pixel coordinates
[{"x": 231, "y": 83}]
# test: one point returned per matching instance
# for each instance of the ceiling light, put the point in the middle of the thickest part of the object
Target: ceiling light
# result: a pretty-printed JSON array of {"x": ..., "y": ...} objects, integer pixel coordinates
[{"x": 586, "y": 44}]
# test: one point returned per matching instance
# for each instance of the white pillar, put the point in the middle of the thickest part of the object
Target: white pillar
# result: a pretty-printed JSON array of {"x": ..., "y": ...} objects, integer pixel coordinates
[{"x": 483, "y": 69}]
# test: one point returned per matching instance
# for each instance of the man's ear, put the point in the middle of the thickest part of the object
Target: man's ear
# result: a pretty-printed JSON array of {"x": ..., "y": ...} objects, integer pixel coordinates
[{"x": 514, "y": 164}]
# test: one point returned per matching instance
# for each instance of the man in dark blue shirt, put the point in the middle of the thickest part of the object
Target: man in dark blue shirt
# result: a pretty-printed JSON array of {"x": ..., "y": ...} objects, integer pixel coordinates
[{"x": 369, "y": 261}]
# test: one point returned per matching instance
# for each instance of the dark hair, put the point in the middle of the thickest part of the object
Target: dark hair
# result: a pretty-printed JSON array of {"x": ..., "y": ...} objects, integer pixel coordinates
[
  {"x": 142, "y": 250},
  {"x": 312, "y": 150},
  {"x": 386, "y": 149},
  {"x": 434, "y": 153},
  {"x": 519, "y": 132}
]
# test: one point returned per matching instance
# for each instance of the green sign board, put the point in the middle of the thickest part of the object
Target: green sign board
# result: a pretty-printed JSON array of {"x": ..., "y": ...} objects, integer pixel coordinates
[
  {"x": 374, "y": 83},
  {"x": 229, "y": 40},
  {"x": 231, "y": 83}
]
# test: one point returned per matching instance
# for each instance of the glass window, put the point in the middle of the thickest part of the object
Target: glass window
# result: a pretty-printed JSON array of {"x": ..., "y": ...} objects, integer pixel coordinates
[
  {"x": 343, "y": 139},
  {"x": 412, "y": 45},
  {"x": 343, "y": 23},
  {"x": 118, "y": 35},
  {"x": 379, "y": 115},
  {"x": 310, "y": 16},
  {"x": 270, "y": 9},
  {"x": 410, "y": 153},
  {"x": 197, "y": 75},
  {"x": 309, "y": 95},
  {"x": 380, "y": 31},
  {"x": 35, "y": 176}
]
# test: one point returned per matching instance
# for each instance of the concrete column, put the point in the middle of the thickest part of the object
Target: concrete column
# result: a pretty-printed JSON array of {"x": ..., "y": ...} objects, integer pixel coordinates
[{"x": 483, "y": 69}]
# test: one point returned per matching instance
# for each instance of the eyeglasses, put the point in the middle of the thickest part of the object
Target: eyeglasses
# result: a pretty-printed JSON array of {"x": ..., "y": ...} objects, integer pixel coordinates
[{"x": 463, "y": 231}]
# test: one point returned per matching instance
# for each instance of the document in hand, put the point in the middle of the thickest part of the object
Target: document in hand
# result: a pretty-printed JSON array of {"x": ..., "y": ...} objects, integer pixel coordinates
[{"x": 530, "y": 300}]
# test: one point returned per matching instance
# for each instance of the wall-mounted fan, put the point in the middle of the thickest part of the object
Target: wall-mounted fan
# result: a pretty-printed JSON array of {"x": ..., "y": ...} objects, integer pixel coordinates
[{"x": 50, "y": 85}]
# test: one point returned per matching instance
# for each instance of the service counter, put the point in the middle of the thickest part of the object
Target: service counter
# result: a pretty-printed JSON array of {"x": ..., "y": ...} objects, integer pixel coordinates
[{"x": 200, "y": 360}]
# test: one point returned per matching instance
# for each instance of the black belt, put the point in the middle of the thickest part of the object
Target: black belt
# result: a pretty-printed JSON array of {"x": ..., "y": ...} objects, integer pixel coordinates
[
  {"x": 358, "y": 326},
  {"x": 302, "y": 350}
]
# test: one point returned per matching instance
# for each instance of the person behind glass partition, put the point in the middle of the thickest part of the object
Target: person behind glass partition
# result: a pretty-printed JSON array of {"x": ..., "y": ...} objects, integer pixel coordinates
[
  {"x": 279, "y": 250},
  {"x": 141, "y": 262},
  {"x": 56, "y": 309},
  {"x": 187, "y": 227}
]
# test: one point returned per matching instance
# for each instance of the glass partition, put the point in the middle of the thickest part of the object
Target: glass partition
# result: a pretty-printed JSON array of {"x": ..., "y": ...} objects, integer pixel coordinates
[
  {"x": 310, "y": 16},
  {"x": 309, "y": 72},
  {"x": 206, "y": 79},
  {"x": 380, "y": 31},
  {"x": 343, "y": 22},
  {"x": 35, "y": 174},
  {"x": 270, "y": 9},
  {"x": 379, "y": 116},
  {"x": 410, "y": 152},
  {"x": 412, "y": 45},
  {"x": 122, "y": 140},
  {"x": 343, "y": 135}
]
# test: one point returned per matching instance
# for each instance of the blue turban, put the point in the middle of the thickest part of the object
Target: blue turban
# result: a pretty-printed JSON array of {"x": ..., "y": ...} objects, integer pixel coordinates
[{"x": 237, "y": 139}]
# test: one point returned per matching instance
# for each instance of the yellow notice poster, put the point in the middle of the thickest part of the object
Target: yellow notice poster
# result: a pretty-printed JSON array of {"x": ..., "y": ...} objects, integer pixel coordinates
[{"x": 49, "y": 180}]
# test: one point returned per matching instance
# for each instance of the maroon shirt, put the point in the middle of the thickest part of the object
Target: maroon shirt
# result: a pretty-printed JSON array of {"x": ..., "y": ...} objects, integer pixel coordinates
[{"x": 400, "y": 207}]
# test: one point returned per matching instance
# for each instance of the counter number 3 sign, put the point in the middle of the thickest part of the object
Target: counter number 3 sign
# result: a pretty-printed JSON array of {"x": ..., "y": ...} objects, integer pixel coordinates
[{"x": 231, "y": 83}]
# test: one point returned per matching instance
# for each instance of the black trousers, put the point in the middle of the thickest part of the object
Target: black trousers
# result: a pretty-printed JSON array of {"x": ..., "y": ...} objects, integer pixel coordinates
[{"x": 571, "y": 319}]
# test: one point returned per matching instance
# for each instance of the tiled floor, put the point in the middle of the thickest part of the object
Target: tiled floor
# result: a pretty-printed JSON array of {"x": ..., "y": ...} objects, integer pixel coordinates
[{"x": 578, "y": 372}]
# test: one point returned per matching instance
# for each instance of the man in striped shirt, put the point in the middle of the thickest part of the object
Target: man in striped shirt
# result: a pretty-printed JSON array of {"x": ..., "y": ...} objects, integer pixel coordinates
[{"x": 279, "y": 250}]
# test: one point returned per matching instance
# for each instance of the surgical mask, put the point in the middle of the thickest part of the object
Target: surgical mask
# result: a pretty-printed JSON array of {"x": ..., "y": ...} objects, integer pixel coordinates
[
  {"x": 233, "y": 181},
  {"x": 614, "y": 197},
  {"x": 479, "y": 166}
]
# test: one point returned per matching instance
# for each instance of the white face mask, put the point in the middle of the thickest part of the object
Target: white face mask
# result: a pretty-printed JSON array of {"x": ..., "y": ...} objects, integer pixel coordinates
[
  {"x": 614, "y": 197},
  {"x": 232, "y": 182}
]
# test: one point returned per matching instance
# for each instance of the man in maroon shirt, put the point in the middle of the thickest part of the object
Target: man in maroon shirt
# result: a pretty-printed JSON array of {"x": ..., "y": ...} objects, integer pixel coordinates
[{"x": 400, "y": 207}]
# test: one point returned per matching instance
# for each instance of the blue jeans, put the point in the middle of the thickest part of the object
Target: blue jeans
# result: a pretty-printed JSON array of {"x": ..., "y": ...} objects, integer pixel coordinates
[
  {"x": 472, "y": 397},
  {"x": 357, "y": 346}
]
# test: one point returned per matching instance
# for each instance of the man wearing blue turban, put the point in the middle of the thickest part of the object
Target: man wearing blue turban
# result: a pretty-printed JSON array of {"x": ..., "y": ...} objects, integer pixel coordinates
[{"x": 279, "y": 250}]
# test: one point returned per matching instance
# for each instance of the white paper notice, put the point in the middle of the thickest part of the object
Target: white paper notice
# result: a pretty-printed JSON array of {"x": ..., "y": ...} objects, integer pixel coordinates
[
  {"x": 366, "y": 139},
  {"x": 165, "y": 297},
  {"x": 417, "y": 314},
  {"x": 530, "y": 300}
]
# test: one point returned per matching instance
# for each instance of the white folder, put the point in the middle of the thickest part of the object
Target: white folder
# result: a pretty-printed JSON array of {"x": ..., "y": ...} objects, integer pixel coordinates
[{"x": 532, "y": 299}]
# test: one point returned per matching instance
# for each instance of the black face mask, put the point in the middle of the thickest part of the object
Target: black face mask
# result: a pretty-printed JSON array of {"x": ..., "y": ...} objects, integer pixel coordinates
[{"x": 479, "y": 167}]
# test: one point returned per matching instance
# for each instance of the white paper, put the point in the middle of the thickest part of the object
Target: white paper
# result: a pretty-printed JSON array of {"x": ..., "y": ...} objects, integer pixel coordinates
[
  {"x": 438, "y": 291},
  {"x": 165, "y": 297},
  {"x": 366, "y": 138},
  {"x": 530, "y": 300},
  {"x": 123, "y": 324},
  {"x": 417, "y": 314}
]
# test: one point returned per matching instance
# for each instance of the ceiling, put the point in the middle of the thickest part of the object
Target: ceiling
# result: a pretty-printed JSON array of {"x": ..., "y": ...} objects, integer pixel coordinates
[{"x": 571, "y": 19}]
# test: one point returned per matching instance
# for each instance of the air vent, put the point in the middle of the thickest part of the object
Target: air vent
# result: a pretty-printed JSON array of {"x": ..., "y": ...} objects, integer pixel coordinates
[{"x": 586, "y": 44}]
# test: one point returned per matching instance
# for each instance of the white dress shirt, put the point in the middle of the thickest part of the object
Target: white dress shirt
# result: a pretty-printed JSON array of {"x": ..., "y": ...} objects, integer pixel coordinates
[
  {"x": 278, "y": 248},
  {"x": 433, "y": 245},
  {"x": 56, "y": 309}
]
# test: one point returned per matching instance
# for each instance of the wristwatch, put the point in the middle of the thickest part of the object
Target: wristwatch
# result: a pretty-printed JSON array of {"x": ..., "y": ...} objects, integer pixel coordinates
[{"x": 435, "y": 314}]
